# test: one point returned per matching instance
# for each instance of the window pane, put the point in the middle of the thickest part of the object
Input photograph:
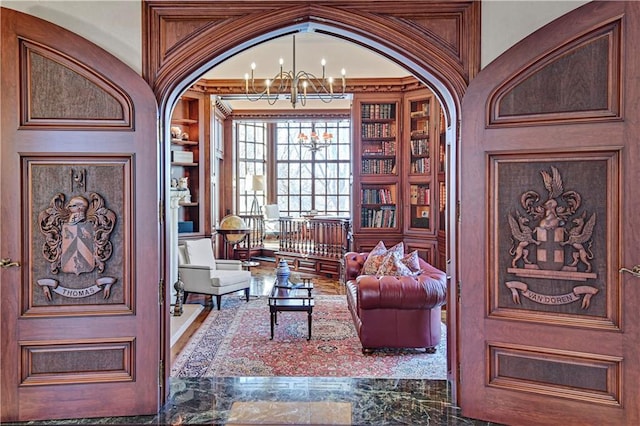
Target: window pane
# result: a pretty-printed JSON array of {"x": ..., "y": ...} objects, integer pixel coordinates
[{"x": 305, "y": 177}]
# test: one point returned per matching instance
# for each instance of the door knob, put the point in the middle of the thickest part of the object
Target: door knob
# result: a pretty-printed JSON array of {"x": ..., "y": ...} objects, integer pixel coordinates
[
  {"x": 635, "y": 271},
  {"x": 7, "y": 263}
]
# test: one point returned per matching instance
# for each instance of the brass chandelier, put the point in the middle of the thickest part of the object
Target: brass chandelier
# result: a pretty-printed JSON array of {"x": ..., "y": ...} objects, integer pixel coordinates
[
  {"x": 314, "y": 142},
  {"x": 297, "y": 85}
]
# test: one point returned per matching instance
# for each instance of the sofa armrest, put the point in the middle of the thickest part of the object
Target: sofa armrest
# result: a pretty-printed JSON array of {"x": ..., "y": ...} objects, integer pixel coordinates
[
  {"x": 425, "y": 291},
  {"x": 229, "y": 264},
  {"x": 353, "y": 263}
]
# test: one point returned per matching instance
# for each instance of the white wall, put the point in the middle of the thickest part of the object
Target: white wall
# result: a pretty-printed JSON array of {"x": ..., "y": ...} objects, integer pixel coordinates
[
  {"x": 504, "y": 23},
  {"x": 116, "y": 25}
]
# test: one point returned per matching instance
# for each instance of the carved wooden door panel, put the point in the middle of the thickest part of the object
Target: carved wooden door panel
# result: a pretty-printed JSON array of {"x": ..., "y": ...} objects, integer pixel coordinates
[
  {"x": 550, "y": 328},
  {"x": 80, "y": 313}
]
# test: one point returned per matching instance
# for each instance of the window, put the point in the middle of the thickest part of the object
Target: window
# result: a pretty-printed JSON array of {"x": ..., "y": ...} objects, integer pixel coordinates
[
  {"x": 308, "y": 180},
  {"x": 251, "y": 138}
]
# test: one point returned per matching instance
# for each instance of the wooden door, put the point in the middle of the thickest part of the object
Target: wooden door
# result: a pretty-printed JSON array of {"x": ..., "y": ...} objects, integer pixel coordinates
[
  {"x": 550, "y": 329},
  {"x": 80, "y": 314}
]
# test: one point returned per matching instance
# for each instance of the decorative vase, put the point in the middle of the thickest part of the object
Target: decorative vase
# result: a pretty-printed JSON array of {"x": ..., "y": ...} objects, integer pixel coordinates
[{"x": 282, "y": 272}]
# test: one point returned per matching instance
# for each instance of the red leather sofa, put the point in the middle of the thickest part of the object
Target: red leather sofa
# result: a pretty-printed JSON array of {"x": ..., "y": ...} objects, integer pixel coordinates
[{"x": 395, "y": 312}]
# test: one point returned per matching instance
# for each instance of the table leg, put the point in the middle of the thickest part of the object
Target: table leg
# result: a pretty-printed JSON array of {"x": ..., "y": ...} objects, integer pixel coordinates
[
  {"x": 272, "y": 322},
  {"x": 309, "y": 320}
]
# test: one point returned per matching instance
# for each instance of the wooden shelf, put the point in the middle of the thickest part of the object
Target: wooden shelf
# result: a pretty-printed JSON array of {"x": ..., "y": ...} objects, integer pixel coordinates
[
  {"x": 184, "y": 164},
  {"x": 189, "y": 119},
  {"x": 184, "y": 143},
  {"x": 184, "y": 121}
]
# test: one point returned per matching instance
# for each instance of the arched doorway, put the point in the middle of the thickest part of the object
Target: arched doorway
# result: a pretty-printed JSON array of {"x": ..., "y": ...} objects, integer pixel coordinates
[{"x": 442, "y": 60}]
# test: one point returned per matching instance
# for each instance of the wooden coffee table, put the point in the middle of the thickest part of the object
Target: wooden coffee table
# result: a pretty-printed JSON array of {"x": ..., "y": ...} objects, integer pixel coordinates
[{"x": 291, "y": 298}]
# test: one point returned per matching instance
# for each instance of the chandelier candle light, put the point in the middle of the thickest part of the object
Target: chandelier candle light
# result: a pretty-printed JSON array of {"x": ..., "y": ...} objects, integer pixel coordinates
[
  {"x": 296, "y": 83},
  {"x": 314, "y": 142}
]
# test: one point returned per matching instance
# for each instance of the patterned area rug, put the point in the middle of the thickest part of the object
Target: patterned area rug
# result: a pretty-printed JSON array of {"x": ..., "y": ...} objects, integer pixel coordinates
[{"x": 234, "y": 342}]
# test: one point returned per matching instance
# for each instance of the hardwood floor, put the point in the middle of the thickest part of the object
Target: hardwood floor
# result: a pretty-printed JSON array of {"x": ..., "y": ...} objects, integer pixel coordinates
[{"x": 263, "y": 277}]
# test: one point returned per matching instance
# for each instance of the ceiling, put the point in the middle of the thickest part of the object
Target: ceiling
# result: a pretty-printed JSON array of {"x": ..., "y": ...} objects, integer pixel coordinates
[{"x": 311, "y": 47}]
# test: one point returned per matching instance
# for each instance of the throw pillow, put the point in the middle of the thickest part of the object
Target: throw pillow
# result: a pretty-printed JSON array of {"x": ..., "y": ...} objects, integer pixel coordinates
[
  {"x": 376, "y": 256},
  {"x": 392, "y": 265},
  {"x": 411, "y": 261}
]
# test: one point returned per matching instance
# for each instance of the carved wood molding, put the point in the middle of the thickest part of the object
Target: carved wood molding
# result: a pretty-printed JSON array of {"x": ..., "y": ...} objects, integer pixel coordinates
[
  {"x": 222, "y": 87},
  {"x": 290, "y": 114},
  {"x": 590, "y": 66},
  {"x": 184, "y": 38}
]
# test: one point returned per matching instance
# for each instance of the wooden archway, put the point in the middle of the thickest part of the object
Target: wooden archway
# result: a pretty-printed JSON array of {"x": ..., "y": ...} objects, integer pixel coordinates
[{"x": 437, "y": 42}]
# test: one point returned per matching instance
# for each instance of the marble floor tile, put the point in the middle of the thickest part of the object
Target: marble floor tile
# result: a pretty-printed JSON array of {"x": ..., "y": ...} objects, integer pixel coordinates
[{"x": 372, "y": 402}]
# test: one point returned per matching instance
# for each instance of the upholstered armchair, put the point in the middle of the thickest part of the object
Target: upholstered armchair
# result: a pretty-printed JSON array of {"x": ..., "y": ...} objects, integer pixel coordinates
[
  {"x": 272, "y": 220},
  {"x": 395, "y": 311},
  {"x": 202, "y": 273}
]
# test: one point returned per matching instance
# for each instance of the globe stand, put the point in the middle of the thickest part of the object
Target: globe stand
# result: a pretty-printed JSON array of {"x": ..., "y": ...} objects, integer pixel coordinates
[{"x": 234, "y": 230}]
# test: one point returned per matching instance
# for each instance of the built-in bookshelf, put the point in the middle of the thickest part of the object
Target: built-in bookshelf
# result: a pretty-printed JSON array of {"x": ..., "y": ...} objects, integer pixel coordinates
[
  {"x": 187, "y": 150},
  {"x": 420, "y": 121},
  {"x": 379, "y": 205},
  {"x": 419, "y": 134},
  {"x": 376, "y": 174},
  {"x": 419, "y": 205},
  {"x": 378, "y": 138},
  {"x": 399, "y": 141}
]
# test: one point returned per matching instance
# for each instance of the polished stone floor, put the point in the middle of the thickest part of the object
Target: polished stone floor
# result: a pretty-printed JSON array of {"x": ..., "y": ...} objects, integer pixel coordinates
[
  {"x": 370, "y": 401},
  {"x": 296, "y": 400}
]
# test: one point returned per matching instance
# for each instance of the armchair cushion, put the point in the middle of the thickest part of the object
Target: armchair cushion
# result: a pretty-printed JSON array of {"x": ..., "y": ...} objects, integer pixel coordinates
[{"x": 200, "y": 252}]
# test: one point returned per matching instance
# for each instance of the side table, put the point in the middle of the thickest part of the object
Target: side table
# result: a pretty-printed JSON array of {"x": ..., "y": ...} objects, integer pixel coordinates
[
  {"x": 248, "y": 264},
  {"x": 291, "y": 298}
]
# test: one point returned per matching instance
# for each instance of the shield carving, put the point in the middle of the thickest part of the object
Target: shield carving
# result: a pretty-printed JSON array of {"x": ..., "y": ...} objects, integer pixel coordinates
[
  {"x": 77, "y": 233},
  {"x": 550, "y": 254},
  {"x": 77, "y": 248}
]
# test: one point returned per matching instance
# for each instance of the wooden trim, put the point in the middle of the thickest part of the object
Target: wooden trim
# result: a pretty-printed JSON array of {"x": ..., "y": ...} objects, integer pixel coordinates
[{"x": 184, "y": 38}]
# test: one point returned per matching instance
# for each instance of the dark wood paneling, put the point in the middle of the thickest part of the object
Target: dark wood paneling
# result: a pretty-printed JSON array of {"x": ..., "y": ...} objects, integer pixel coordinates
[
  {"x": 53, "y": 362},
  {"x": 178, "y": 42},
  {"x": 59, "y": 92},
  {"x": 579, "y": 81},
  {"x": 572, "y": 375}
]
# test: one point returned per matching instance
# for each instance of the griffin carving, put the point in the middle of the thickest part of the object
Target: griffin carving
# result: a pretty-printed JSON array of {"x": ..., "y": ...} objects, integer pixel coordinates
[
  {"x": 523, "y": 236},
  {"x": 578, "y": 236}
]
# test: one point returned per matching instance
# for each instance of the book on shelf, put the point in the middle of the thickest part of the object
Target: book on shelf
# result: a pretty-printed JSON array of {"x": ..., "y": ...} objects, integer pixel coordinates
[
  {"x": 383, "y": 217},
  {"x": 421, "y": 166},
  {"x": 419, "y": 195},
  {"x": 420, "y": 146},
  {"x": 378, "y": 111},
  {"x": 376, "y": 196}
]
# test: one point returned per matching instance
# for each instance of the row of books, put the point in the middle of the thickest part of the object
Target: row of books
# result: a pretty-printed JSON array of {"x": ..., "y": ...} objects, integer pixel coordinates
[
  {"x": 378, "y": 130},
  {"x": 376, "y": 196},
  {"x": 379, "y": 218},
  {"x": 420, "y": 147},
  {"x": 421, "y": 166},
  {"x": 378, "y": 111},
  {"x": 420, "y": 194},
  {"x": 376, "y": 167},
  {"x": 380, "y": 148}
]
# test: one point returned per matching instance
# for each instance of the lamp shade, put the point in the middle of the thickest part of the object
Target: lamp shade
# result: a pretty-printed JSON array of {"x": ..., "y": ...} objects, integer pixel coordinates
[{"x": 254, "y": 182}]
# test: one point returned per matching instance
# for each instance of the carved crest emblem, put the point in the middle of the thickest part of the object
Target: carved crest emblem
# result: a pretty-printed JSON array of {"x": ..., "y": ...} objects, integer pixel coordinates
[
  {"x": 540, "y": 233},
  {"x": 77, "y": 241}
]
